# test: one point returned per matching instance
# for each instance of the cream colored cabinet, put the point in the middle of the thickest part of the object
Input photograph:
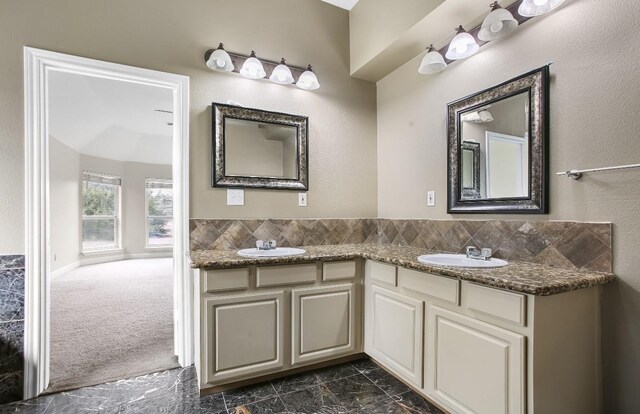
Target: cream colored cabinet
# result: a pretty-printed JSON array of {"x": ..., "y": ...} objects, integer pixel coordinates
[
  {"x": 394, "y": 332},
  {"x": 323, "y": 322},
  {"x": 243, "y": 335},
  {"x": 473, "y": 366}
]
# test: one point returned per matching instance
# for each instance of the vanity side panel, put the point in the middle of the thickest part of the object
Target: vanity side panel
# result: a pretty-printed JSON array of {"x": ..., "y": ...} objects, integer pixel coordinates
[{"x": 566, "y": 353}]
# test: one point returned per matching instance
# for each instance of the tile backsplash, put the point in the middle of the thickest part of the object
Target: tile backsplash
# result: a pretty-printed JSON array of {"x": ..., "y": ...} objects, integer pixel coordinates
[
  {"x": 565, "y": 244},
  {"x": 11, "y": 327}
]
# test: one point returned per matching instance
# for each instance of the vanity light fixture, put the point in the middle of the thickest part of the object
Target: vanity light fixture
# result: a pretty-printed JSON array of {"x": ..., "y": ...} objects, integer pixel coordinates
[
  {"x": 462, "y": 46},
  {"x": 281, "y": 74},
  {"x": 308, "y": 80},
  {"x": 220, "y": 60},
  {"x": 252, "y": 68},
  {"x": 432, "y": 62},
  {"x": 498, "y": 24},
  {"x": 532, "y": 8}
]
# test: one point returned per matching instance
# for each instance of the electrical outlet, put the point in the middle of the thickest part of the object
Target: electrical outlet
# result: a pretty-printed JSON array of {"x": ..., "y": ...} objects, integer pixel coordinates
[
  {"x": 235, "y": 197},
  {"x": 431, "y": 198},
  {"x": 302, "y": 199}
]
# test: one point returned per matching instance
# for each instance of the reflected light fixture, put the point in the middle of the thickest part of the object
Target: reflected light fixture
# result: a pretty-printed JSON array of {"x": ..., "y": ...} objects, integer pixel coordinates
[
  {"x": 308, "y": 80},
  {"x": 252, "y": 68},
  {"x": 462, "y": 46},
  {"x": 220, "y": 60},
  {"x": 281, "y": 74},
  {"x": 432, "y": 62},
  {"x": 498, "y": 24},
  {"x": 532, "y": 8}
]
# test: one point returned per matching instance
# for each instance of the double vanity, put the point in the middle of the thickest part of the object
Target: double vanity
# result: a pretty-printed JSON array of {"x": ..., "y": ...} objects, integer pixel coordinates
[{"x": 514, "y": 339}]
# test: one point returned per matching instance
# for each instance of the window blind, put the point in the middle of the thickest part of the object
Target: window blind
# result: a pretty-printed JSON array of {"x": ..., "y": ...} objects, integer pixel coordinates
[{"x": 98, "y": 178}]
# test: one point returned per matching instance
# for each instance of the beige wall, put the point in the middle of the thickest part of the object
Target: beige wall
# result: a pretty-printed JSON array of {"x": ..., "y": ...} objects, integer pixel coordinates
[
  {"x": 66, "y": 167},
  {"x": 594, "y": 122},
  {"x": 65, "y": 202},
  {"x": 173, "y": 37},
  {"x": 375, "y": 24}
]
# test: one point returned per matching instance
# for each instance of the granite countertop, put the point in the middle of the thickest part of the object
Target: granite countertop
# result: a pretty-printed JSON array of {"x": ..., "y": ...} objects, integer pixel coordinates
[{"x": 530, "y": 278}]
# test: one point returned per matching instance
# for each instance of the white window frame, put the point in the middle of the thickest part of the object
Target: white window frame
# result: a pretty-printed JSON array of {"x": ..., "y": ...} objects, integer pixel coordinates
[
  {"x": 147, "y": 217},
  {"x": 117, "y": 218}
]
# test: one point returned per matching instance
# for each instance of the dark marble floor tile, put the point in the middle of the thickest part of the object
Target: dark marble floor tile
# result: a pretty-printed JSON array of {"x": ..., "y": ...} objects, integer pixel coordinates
[
  {"x": 11, "y": 294},
  {"x": 387, "y": 382},
  {"x": 12, "y": 261},
  {"x": 173, "y": 386},
  {"x": 248, "y": 395},
  {"x": 313, "y": 400},
  {"x": 388, "y": 406},
  {"x": 270, "y": 406},
  {"x": 295, "y": 382},
  {"x": 33, "y": 406},
  {"x": 10, "y": 387},
  {"x": 356, "y": 391},
  {"x": 11, "y": 344},
  {"x": 415, "y": 404},
  {"x": 336, "y": 372},
  {"x": 365, "y": 366},
  {"x": 212, "y": 404}
]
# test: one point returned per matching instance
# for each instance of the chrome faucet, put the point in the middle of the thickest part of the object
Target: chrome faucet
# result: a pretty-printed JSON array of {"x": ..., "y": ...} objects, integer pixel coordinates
[
  {"x": 479, "y": 254},
  {"x": 266, "y": 244}
]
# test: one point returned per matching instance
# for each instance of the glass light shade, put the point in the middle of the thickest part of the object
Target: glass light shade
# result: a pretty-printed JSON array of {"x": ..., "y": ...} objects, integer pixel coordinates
[
  {"x": 252, "y": 68},
  {"x": 308, "y": 80},
  {"x": 220, "y": 60},
  {"x": 462, "y": 46},
  {"x": 432, "y": 62},
  {"x": 281, "y": 74},
  {"x": 499, "y": 23},
  {"x": 532, "y": 8}
]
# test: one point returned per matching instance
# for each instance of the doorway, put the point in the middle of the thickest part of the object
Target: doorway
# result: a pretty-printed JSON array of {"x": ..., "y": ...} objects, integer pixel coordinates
[{"x": 130, "y": 218}]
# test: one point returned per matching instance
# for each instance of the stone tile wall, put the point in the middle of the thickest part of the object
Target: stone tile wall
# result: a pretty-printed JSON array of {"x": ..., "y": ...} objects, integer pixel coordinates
[
  {"x": 11, "y": 327},
  {"x": 564, "y": 244}
]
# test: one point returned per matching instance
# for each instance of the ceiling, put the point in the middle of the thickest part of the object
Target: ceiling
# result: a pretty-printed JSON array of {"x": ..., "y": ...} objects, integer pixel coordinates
[
  {"x": 344, "y": 4},
  {"x": 111, "y": 119}
]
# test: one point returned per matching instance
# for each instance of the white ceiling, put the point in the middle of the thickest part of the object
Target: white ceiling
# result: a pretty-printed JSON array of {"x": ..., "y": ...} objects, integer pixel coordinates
[
  {"x": 345, "y": 4},
  {"x": 111, "y": 119}
]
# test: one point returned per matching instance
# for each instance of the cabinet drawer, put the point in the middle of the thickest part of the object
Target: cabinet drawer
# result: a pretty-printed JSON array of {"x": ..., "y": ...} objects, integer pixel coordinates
[
  {"x": 437, "y": 286},
  {"x": 226, "y": 279},
  {"x": 508, "y": 306},
  {"x": 339, "y": 270},
  {"x": 382, "y": 273},
  {"x": 286, "y": 275}
]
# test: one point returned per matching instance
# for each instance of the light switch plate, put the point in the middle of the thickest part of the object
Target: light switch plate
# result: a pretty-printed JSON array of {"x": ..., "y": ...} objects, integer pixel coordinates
[
  {"x": 235, "y": 197},
  {"x": 431, "y": 198},
  {"x": 302, "y": 199}
]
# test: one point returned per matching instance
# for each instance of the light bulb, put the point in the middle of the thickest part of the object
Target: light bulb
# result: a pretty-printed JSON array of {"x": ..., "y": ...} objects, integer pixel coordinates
[
  {"x": 220, "y": 60},
  {"x": 461, "y": 49},
  {"x": 497, "y": 26},
  {"x": 282, "y": 74},
  {"x": 462, "y": 45},
  {"x": 308, "y": 80},
  {"x": 220, "y": 63}
]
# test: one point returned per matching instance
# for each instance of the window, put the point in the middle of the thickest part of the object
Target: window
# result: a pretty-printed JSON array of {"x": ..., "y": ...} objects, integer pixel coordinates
[
  {"x": 159, "y": 195},
  {"x": 100, "y": 212}
]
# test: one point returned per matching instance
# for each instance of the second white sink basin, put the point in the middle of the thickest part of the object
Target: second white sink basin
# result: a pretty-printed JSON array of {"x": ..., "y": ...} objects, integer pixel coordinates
[
  {"x": 277, "y": 252},
  {"x": 459, "y": 260}
]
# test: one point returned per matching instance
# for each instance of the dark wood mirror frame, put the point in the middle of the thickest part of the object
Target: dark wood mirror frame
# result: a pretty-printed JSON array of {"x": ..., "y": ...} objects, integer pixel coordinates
[
  {"x": 536, "y": 83},
  {"x": 219, "y": 178}
]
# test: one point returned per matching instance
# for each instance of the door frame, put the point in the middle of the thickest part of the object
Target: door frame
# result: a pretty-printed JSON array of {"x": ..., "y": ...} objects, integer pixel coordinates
[{"x": 37, "y": 65}]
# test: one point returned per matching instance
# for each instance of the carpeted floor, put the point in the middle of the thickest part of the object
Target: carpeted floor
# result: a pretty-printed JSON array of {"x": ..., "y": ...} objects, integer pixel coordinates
[{"x": 111, "y": 321}]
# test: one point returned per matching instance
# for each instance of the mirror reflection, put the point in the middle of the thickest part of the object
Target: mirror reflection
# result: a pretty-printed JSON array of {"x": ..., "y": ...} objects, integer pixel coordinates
[
  {"x": 260, "y": 149},
  {"x": 494, "y": 150}
]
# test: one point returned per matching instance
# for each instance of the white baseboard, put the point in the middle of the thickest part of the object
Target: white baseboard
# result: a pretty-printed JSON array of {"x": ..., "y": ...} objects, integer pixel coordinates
[
  {"x": 89, "y": 260},
  {"x": 154, "y": 255},
  {"x": 65, "y": 269}
]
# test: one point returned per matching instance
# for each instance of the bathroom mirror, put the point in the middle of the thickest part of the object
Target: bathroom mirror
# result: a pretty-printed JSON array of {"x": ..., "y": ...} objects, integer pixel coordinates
[
  {"x": 253, "y": 148},
  {"x": 497, "y": 148}
]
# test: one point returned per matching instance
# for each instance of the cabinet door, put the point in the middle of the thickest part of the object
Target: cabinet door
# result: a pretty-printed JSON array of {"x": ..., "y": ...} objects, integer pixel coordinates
[
  {"x": 394, "y": 332},
  {"x": 244, "y": 335},
  {"x": 323, "y": 322},
  {"x": 473, "y": 366}
]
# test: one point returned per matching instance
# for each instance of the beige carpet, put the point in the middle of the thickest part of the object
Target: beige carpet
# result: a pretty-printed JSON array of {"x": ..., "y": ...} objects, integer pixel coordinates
[{"x": 111, "y": 321}]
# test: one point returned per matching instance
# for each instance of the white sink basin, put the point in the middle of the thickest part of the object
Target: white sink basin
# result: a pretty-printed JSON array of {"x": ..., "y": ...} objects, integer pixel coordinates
[
  {"x": 277, "y": 252},
  {"x": 459, "y": 260}
]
